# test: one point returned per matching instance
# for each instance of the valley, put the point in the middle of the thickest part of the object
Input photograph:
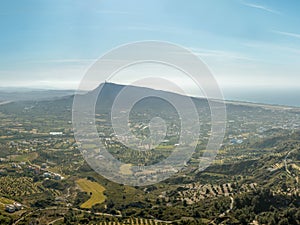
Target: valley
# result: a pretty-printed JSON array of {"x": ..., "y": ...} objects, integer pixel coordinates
[{"x": 253, "y": 179}]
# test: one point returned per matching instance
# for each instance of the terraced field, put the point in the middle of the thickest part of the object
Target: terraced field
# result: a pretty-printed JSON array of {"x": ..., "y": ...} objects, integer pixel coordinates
[
  {"x": 135, "y": 221},
  {"x": 22, "y": 186},
  {"x": 196, "y": 192}
]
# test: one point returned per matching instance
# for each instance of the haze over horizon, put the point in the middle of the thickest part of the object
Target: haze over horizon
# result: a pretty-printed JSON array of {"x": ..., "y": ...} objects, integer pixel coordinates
[
  {"x": 273, "y": 97},
  {"x": 252, "y": 47}
]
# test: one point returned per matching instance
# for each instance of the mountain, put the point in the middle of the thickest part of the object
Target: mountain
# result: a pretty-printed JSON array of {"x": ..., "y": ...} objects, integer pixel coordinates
[{"x": 253, "y": 179}]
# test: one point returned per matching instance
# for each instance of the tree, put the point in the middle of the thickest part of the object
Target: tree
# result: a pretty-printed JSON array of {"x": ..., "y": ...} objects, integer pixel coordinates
[{"x": 284, "y": 221}]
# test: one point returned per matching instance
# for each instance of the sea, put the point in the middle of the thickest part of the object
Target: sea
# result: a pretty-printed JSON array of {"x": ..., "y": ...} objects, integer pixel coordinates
[{"x": 272, "y": 96}]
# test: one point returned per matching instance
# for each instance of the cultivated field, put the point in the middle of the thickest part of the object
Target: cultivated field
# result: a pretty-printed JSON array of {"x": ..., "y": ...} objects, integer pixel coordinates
[{"x": 95, "y": 189}]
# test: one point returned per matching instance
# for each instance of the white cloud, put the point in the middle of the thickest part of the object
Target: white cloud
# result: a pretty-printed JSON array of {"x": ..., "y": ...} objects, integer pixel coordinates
[
  {"x": 219, "y": 54},
  {"x": 294, "y": 35},
  {"x": 261, "y": 7},
  {"x": 274, "y": 47}
]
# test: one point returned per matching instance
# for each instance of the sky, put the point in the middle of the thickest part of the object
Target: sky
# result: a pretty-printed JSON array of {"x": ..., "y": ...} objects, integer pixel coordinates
[{"x": 246, "y": 44}]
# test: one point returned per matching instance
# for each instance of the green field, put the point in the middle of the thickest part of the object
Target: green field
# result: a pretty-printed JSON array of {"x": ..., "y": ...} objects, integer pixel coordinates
[
  {"x": 24, "y": 157},
  {"x": 91, "y": 187}
]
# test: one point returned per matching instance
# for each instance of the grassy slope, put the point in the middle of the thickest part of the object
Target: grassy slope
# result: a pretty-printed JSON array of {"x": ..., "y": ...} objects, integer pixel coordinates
[{"x": 91, "y": 187}]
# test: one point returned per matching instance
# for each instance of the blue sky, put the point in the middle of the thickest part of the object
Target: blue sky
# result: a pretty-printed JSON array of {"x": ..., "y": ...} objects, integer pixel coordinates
[{"x": 51, "y": 43}]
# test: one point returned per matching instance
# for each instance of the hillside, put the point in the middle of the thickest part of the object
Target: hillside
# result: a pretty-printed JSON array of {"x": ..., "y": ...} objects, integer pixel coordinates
[{"x": 253, "y": 179}]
